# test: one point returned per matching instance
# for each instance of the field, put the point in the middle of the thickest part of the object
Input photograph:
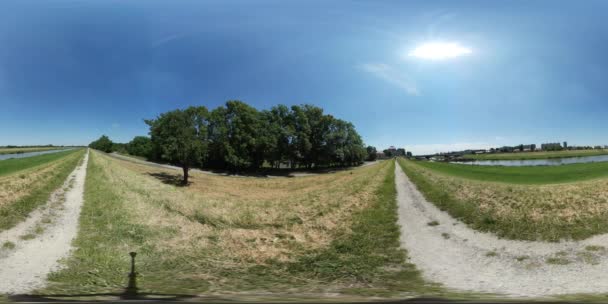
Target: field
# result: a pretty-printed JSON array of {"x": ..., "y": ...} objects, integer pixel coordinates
[
  {"x": 25, "y": 150},
  {"x": 530, "y": 203},
  {"x": 26, "y": 183},
  {"x": 537, "y": 155},
  {"x": 524, "y": 174},
  {"x": 317, "y": 234}
]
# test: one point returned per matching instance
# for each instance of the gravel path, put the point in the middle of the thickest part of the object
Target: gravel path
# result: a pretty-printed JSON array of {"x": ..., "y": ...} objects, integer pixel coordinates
[
  {"x": 43, "y": 238},
  {"x": 461, "y": 258}
]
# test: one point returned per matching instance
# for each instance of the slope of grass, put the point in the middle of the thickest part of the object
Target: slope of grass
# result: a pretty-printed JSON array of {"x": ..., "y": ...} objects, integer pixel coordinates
[
  {"x": 9, "y": 166},
  {"x": 522, "y": 175},
  {"x": 528, "y": 212},
  {"x": 317, "y": 234},
  {"x": 31, "y": 194},
  {"x": 538, "y": 155},
  {"x": 25, "y": 150}
]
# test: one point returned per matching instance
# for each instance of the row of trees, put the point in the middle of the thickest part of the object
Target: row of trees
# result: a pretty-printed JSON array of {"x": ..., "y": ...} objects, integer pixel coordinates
[{"x": 239, "y": 137}]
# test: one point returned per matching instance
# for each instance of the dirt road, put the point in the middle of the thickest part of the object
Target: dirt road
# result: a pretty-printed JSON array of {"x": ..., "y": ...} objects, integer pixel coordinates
[
  {"x": 33, "y": 248},
  {"x": 461, "y": 258}
]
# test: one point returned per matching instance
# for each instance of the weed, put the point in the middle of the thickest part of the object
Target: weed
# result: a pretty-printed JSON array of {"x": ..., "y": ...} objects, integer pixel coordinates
[
  {"x": 557, "y": 261},
  {"x": 433, "y": 223},
  {"x": 595, "y": 248},
  {"x": 8, "y": 245}
]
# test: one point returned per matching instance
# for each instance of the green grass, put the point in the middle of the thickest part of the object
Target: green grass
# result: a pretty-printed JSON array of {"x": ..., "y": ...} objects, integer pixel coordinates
[
  {"x": 17, "y": 211},
  {"x": 522, "y": 175},
  {"x": 537, "y": 155},
  {"x": 9, "y": 166},
  {"x": 363, "y": 260},
  {"x": 370, "y": 254},
  {"x": 8, "y": 245},
  {"x": 518, "y": 226}
]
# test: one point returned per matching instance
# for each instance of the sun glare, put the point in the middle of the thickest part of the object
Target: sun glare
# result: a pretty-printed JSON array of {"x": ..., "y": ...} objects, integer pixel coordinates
[{"x": 439, "y": 51}]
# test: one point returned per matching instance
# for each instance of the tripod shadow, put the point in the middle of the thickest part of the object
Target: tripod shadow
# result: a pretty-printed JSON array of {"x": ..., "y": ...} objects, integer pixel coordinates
[{"x": 131, "y": 292}]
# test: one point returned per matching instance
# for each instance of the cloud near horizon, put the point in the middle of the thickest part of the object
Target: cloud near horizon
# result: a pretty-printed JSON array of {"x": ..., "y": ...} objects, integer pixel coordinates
[{"x": 390, "y": 75}]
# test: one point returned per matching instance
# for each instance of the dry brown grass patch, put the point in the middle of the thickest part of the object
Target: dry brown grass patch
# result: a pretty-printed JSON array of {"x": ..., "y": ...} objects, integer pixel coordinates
[{"x": 245, "y": 219}]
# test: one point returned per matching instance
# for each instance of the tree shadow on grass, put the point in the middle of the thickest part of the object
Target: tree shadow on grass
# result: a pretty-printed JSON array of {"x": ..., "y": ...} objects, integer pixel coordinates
[{"x": 170, "y": 179}]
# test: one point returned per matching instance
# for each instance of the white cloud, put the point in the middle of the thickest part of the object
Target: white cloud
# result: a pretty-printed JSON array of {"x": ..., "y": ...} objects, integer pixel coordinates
[{"x": 390, "y": 75}]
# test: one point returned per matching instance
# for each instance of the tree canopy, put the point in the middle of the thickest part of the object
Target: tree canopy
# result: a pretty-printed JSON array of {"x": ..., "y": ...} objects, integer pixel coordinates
[
  {"x": 181, "y": 136},
  {"x": 102, "y": 144}
]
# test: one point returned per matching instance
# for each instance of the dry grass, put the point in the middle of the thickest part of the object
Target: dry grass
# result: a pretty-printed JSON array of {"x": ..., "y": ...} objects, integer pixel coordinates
[
  {"x": 21, "y": 183},
  {"x": 25, "y": 150},
  {"x": 246, "y": 219},
  {"x": 575, "y": 207}
]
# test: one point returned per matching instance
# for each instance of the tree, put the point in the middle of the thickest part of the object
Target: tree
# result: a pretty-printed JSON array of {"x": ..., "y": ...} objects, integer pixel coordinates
[
  {"x": 400, "y": 152},
  {"x": 102, "y": 144},
  {"x": 181, "y": 136},
  {"x": 140, "y": 146},
  {"x": 371, "y": 153}
]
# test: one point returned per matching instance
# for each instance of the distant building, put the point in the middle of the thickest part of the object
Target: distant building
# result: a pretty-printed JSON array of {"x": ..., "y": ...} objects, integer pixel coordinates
[
  {"x": 565, "y": 145},
  {"x": 551, "y": 146}
]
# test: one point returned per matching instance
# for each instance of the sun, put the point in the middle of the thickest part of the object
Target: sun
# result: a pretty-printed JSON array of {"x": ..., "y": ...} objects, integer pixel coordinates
[{"x": 439, "y": 50}]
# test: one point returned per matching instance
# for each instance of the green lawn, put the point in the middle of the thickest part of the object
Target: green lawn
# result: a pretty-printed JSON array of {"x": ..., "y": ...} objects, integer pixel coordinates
[
  {"x": 9, "y": 166},
  {"x": 536, "y": 155},
  {"x": 522, "y": 175}
]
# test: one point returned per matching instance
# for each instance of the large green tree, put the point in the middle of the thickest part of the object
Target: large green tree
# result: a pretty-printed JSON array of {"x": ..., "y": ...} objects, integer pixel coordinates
[
  {"x": 140, "y": 146},
  {"x": 181, "y": 136},
  {"x": 102, "y": 144}
]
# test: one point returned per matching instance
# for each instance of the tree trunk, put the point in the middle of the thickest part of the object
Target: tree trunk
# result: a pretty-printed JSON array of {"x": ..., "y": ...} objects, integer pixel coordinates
[{"x": 185, "y": 181}]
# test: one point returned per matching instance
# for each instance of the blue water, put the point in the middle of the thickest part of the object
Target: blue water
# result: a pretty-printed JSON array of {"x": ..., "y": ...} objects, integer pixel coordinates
[
  {"x": 29, "y": 154},
  {"x": 538, "y": 162}
]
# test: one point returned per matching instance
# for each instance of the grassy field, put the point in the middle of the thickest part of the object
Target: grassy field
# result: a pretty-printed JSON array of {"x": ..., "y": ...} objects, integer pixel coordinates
[
  {"x": 26, "y": 183},
  {"x": 25, "y": 150},
  {"x": 317, "y": 234},
  {"x": 522, "y": 175},
  {"x": 9, "y": 166},
  {"x": 537, "y": 155},
  {"x": 530, "y": 208}
]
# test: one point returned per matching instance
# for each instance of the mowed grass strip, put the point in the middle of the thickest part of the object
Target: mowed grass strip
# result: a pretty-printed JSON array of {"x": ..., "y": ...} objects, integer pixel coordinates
[
  {"x": 27, "y": 189},
  {"x": 12, "y": 165},
  {"x": 538, "y": 155},
  {"x": 522, "y": 175},
  {"x": 528, "y": 212},
  {"x": 333, "y": 232}
]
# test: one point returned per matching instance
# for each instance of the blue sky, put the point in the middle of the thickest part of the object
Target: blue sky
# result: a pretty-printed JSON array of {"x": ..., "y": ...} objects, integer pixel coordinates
[{"x": 73, "y": 70}]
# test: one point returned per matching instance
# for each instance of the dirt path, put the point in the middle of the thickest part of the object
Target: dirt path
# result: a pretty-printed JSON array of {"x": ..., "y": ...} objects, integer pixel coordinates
[
  {"x": 36, "y": 245},
  {"x": 461, "y": 258}
]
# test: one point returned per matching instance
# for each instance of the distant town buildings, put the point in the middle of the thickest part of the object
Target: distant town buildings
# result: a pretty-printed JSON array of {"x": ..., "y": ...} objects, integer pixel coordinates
[{"x": 551, "y": 146}]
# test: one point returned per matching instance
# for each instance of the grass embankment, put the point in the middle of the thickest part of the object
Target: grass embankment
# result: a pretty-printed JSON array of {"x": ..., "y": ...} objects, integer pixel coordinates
[
  {"x": 26, "y": 183},
  {"x": 538, "y": 155},
  {"x": 527, "y": 210},
  {"x": 524, "y": 174},
  {"x": 334, "y": 232},
  {"x": 26, "y": 150},
  {"x": 12, "y": 165}
]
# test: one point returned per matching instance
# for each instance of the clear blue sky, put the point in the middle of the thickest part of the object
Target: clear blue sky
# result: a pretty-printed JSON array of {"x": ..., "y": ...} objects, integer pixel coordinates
[{"x": 538, "y": 70}]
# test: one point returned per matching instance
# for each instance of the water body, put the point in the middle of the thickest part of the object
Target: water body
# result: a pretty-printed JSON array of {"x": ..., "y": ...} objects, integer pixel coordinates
[
  {"x": 29, "y": 154},
  {"x": 538, "y": 162}
]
